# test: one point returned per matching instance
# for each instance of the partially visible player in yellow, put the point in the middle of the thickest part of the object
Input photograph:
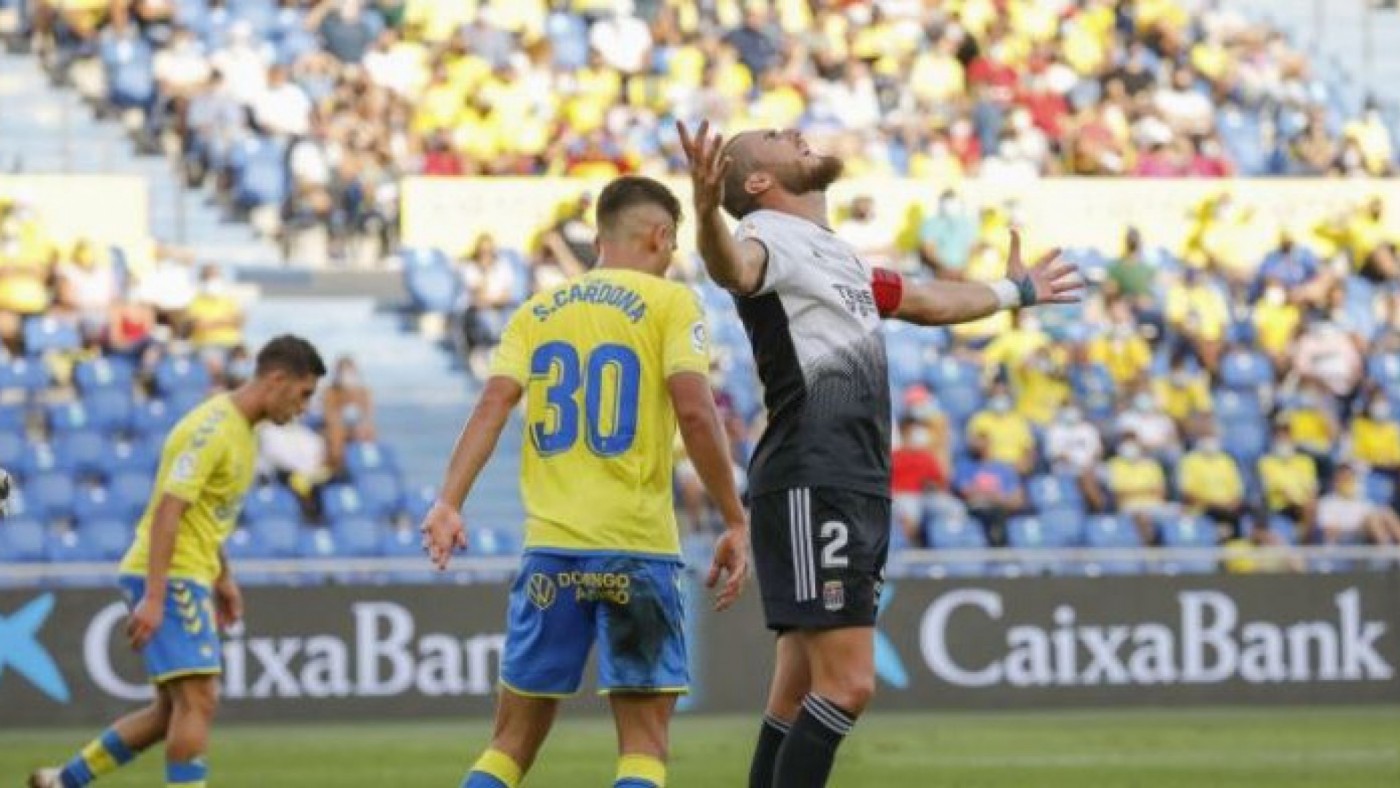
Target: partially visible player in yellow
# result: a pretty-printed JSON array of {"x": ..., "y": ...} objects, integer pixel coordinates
[
  {"x": 175, "y": 576},
  {"x": 610, "y": 363}
]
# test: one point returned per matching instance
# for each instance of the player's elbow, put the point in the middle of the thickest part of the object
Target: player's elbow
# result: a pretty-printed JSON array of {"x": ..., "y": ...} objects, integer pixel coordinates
[{"x": 695, "y": 419}]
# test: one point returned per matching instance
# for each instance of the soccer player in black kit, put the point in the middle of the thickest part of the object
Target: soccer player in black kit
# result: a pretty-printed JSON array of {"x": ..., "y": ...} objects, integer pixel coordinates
[{"x": 819, "y": 482}]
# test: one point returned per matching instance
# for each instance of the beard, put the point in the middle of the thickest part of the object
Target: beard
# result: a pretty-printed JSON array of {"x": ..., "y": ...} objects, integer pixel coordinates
[{"x": 809, "y": 174}]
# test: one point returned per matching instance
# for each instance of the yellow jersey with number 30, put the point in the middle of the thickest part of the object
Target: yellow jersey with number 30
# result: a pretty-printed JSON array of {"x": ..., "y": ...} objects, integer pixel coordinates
[
  {"x": 593, "y": 356},
  {"x": 208, "y": 461}
]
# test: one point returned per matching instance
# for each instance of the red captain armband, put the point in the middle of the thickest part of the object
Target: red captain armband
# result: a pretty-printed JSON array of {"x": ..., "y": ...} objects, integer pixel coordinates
[{"x": 888, "y": 288}]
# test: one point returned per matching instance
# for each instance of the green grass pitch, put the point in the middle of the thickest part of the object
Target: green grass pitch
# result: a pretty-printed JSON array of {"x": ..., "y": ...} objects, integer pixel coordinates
[{"x": 1277, "y": 748}]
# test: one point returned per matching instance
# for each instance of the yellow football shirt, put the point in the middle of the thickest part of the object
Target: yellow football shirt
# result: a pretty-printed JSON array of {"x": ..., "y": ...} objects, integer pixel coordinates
[
  {"x": 1288, "y": 481},
  {"x": 1213, "y": 479},
  {"x": 208, "y": 462},
  {"x": 593, "y": 356}
]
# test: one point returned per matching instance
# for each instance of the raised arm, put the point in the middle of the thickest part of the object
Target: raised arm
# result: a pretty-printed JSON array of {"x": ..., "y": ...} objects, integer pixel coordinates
[
  {"x": 941, "y": 302},
  {"x": 737, "y": 267}
]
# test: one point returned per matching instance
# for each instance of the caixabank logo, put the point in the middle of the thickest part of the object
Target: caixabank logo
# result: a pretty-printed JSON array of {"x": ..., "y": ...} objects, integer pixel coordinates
[{"x": 23, "y": 656}]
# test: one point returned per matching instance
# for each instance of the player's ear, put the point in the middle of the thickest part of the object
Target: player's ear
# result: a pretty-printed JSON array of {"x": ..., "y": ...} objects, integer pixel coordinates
[{"x": 758, "y": 182}]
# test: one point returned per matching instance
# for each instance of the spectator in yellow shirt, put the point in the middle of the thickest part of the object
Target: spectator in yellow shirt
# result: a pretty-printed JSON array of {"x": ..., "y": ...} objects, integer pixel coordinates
[
  {"x": 1369, "y": 243},
  {"x": 1314, "y": 430},
  {"x": 1138, "y": 485},
  {"x": 1122, "y": 351},
  {"x": 1210, "y": 483},
  {"x": 214, "y": 318},
  {"x": 1198, "y": 312},
  {"x": 1289, "y": 478},
  {"x": 1276, "y": 323},
  {"x": 1375, "y": 441},
  {"x": 1005, "y": 434},
  {"x": 1185, "y": 396}
]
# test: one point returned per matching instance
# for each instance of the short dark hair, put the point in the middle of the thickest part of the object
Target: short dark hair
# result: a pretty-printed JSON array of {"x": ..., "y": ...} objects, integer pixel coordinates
[
  {"x": 290, "y": 354},
  {"x": 630, "y": 191}
]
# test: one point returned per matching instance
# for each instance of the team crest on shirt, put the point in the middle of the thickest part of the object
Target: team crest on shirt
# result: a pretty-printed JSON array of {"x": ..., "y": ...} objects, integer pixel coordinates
[
  {"x": 697, "y": 336},
  {"x": 184, "y": 467},
  {"x": 834, "y": 595},
  {"x": 541, "y": 590}
]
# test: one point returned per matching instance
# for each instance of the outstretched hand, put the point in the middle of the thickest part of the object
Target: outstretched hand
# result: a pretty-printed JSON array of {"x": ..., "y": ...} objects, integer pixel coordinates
[
  {"x": 1055, "y": 281},
  {"x": 707, "y": 166}
]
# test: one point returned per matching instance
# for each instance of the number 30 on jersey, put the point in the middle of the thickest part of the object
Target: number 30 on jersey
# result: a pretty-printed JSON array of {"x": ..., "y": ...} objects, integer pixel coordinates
[{"x": 609, "y": 377}]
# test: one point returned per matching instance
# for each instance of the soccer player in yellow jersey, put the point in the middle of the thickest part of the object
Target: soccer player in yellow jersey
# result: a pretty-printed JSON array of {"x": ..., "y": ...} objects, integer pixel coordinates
[
  {"x": 609, "y": 364},
  {"x": 175, "y": 576}
]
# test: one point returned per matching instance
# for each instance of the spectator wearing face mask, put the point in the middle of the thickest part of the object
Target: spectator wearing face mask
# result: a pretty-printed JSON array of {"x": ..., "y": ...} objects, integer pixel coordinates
[
  {"x": 1210, "y": 484},
  {"x": 1276, "y": 322},
  {"x": 349, "y": 412},
  {"x": 1185, "y": 397},
  {"x": 215, "y": 317},
  {"x": 1152, "y": 427},
  {"x": 947, "y": 237},
  {"x": 1198, "y": 314},
  {"x": 1345, "y": 515},
  {"x": 924, "y": 409},
  {"x": 1138, "y": 487},
  {"x": 1375, "y": 441},
  {"x": 1289, "y": 478},
  {"x": 1005, "y": 434},
  {"x": 1122, "y": 349},
  {"x": 914, "y": 473},
  {"x": 1075, "y": 448},
  {"x": 992, "y": 490}
]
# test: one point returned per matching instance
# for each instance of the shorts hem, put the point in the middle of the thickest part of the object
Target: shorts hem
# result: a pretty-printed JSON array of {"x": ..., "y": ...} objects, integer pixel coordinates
[
  {"x": 782, "y": 627},
  {"x": 172, "y": 675},
  {"x": 528, "y": 694},
  {"x": 680, "y": 690}
]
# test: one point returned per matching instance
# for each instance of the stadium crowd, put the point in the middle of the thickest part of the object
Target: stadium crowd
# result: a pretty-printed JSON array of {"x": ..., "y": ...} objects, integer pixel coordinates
[
  {"x": 313, "y": 110},
  {"x": 100, "y": 357}
]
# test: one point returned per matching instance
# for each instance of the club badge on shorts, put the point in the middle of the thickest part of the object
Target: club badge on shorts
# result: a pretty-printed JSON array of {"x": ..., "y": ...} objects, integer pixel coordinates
[{"x": 834, "y": 595}]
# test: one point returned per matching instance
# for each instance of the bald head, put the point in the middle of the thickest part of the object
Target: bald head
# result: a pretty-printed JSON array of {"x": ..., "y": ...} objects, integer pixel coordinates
[{"x": 769, "y": 160}]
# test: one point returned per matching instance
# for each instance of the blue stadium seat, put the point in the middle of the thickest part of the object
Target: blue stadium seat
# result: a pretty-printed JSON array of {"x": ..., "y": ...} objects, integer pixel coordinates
[
  {"x": 46, "y": 334},
  {"x": 22, "y": 539},
  {"x": 43, "y": 458},
  {"x": 958, "y": 534},
  {"x": 1049, "y": 492},
  {"x": 68, "y": 416},
  {"x": 1380, "y": 488},
  {"x": 379, "y": 492},
  {"x": 317, "y": 543},
  {"x": 401, "y": 543},
  {"x": 1284, "y": 528},
  {"x": 1232, "y": 406},
  {"x": 21, "y": 506},
  {"x": 73, "y": 546},
  {"x": 1245, "y": 370},
  {"x": 132, "y": 457},
  {"x": 364, "y": 457},
  {"x": 358, "y": 537},
  {"x": 181, "y": 373},
  {"x": 243, "y": 545},
  {"x": 906, "y": 358},
  {"x": 1245, "y": 439},
  {"x": 92, "y": 502},
  {"x": 110, "y": 409},
  {"x": 341, "y": 500},
  {"x": 12, "y": 419},
  {"x": 262, "y": 180},
  {"x": 490, "y": 542},
  {"x": 416, "y": 502},
  {"x": 153, "y": 417},
  {"x": 432, "y": 284},
  {"x": 277, "y": 536},
  {"x": 1066, "y": 524},
  {"x": 182, "y": 402},
  {"x": 12, "y": 450},
  {"x": 1385, "y": 371},
  {"x": 1035, "y": 533},
  {"x": 129, "y": 493},
  {"x": 1112, "y": 532},
  {"x": 1188, "y": 531},
  {"x": 53, "y": 493},
  {"x": 1094, "y": 390},
  {"x": 87, "y": 452},
  {"x": 270, "y": 500},
  {"x": 23, "y": 374},
  {"x": 107, "y": 537},
  {"x": 129, "y": 65}
]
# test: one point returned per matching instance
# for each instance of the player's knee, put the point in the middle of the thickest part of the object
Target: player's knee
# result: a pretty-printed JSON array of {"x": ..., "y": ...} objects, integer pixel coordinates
[
  {"x": 852, "y": 692},
  {"x": 197, "y": 696}
]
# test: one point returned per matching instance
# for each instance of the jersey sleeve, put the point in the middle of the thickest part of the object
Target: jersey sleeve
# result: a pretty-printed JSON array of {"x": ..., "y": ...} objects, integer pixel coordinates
[
  {"x": 193, "y": 460},
  {"x": 686, "y": 344},
  {"x": 777, "y": 268},
  {"x": 511, "y": 357}
]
